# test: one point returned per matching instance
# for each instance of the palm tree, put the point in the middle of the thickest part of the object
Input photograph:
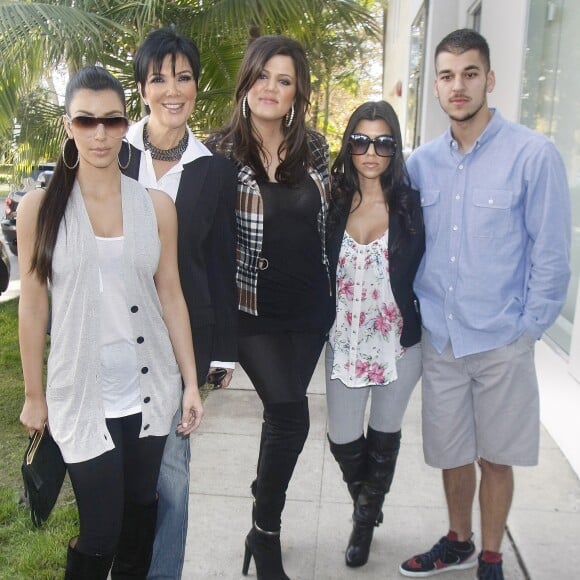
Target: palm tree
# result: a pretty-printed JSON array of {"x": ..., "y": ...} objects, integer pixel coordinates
[{"x": 36, "y": 39}]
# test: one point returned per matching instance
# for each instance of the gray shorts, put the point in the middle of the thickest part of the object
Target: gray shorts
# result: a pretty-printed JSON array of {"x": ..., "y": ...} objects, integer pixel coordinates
[{"x": 483, "y": 405}]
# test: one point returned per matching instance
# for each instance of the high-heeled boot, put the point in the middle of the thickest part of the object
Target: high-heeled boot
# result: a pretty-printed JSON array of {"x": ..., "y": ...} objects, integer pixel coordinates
[
  {"x": 382, "y": 453},
  {"x": 352, "y": 460},
  {"x": 265, "y": 547},
  {"x": 254, "y": 484},
  {"x": 80, "y": 566},
  {"x": 285, "y": 430}
]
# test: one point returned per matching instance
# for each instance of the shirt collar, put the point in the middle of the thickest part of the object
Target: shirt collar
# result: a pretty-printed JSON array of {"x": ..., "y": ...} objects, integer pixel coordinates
[
  {"x": 195, "y": 148},
  {"x": 490, "y": 131}
]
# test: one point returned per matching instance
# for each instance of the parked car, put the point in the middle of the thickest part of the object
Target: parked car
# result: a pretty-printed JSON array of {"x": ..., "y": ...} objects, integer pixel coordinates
[
  {"x": 8, "y": 223},
  {"x": 4, "y": 268}
]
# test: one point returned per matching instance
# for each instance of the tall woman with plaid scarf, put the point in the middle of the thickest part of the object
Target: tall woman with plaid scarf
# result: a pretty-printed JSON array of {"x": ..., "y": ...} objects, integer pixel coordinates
[{"x": 285, "y": 301}]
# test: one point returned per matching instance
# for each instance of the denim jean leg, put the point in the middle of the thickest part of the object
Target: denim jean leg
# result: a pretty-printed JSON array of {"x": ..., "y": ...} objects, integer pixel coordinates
[{"x": 173, "y": 489}]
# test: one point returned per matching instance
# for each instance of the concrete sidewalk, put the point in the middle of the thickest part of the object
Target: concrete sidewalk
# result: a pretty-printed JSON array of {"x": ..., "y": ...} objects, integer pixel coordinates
[{"x": 544, "y": 523}]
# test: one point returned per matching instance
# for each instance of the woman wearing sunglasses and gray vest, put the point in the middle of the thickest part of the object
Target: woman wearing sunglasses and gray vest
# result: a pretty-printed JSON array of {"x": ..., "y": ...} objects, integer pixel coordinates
[
  {"x": 120, "y": 343},
  {"x": 375, "y": 244}
]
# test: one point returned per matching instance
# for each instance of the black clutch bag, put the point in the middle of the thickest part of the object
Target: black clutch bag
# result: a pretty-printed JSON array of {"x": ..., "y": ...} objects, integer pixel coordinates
[{"x": 43, "y": 471}]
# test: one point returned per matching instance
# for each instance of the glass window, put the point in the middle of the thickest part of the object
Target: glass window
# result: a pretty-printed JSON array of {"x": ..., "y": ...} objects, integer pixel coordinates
[
  {"x": 416, "y": 65},
  {"x": 551, "y": 104},
  {"x": 475, "y": 15}
]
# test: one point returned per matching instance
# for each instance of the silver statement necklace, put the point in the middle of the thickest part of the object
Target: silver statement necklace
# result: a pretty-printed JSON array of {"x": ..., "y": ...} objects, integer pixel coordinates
[{"x": 173, "y": 154}]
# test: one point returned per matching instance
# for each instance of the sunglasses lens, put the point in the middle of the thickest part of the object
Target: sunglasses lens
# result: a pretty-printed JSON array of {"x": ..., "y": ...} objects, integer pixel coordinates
[
  {"x": 116, "y": 123},
  {"x": 84, "y": 123},
  {"x": 385, "y": 146},
  {"x": 114, "y": 126},
  {"x": 359, "y": 144}
]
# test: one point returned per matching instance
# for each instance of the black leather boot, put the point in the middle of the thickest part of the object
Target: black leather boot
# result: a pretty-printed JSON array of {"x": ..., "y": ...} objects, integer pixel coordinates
[
  {"x": 136, "y": 542},
  {"x": 285, "y": 430},
  {"x": 81, "y": 566},
  {"x": 382, "y": 453},
  {"x": 265, "y": 547},
  {"x": 254, "y": 484},
  {"x": 352, "y": 460},
  {"x": 287, "y": 426}
]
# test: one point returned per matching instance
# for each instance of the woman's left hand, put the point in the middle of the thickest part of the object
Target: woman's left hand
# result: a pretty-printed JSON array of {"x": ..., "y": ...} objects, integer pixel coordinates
[{"x": 192, "y": 411}]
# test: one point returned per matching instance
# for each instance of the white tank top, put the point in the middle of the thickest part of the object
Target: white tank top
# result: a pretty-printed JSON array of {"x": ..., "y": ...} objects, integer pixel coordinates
[{"x": 118, "y": 358}]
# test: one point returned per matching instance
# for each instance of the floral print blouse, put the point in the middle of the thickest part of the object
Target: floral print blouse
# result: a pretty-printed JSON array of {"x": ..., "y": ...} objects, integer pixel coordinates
[{"x": 367, "y": 331}]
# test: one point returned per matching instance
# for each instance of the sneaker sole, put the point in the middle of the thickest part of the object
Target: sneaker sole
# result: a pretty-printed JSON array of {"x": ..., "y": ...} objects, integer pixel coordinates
[{"x": 471, "y": 562}]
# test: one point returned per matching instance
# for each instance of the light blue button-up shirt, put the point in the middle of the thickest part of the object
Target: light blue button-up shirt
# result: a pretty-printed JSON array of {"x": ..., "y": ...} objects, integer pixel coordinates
[{"x": 497, "y": 222}]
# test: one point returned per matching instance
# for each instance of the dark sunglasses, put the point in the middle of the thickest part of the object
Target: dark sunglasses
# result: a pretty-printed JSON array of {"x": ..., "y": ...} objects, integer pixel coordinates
[
  {"x": 359, "y": 143},
  {"x": 114, "y": 126}
]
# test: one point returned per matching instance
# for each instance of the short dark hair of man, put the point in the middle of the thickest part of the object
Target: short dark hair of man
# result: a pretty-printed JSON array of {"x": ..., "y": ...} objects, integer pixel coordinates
[{"x": 462, "y": 40}]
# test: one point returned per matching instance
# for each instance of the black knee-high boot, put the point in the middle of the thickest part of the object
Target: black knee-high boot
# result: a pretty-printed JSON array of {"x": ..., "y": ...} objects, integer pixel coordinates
[
  {"x": 254, "y": 484},
  {"x": 136, "y": 542},
  {"x": 286, "y": 429},
  {"x": 382, "y": 453},
  {"x": 81, "y": 566},
  {"x": 352, "y": 460}
]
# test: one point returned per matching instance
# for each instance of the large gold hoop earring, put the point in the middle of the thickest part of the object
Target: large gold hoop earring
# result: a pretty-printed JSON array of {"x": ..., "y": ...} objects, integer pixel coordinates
[
  {"x": 290, "y": 116},
  {"x": 123, "y": 167},
  {"x": 245, "y": 107},
  {"x": 64, "y": 148}
]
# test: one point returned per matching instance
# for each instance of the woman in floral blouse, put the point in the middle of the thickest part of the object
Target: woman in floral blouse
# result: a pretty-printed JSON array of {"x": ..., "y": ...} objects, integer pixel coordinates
[{"x": 375, "y": 244}]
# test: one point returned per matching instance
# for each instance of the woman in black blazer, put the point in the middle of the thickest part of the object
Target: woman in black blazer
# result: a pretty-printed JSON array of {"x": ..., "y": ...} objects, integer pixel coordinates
[
  {"x": 375, "y": 244},
  {"x": 165, "y": 155}
]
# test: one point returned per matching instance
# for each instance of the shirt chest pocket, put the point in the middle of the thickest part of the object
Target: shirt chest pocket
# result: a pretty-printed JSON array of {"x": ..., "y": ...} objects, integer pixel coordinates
[
  {"x": 491, "y": 213},
  {"x": 430, "y": 204}
]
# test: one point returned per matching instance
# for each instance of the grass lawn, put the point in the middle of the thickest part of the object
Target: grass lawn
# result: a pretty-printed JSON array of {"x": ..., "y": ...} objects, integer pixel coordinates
[{"x": 26, "y": 553}]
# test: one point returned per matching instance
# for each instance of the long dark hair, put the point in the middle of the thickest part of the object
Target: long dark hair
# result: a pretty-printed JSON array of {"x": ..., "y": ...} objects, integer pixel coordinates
[
  {"x": 395, "y": 180},
  {"x": 238, "y": 139},
  {"x": 53, "y": 206}
]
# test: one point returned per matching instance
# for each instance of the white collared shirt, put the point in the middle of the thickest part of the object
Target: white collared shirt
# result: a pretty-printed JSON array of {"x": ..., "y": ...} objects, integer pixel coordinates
[{"x": 169, "y": 183}]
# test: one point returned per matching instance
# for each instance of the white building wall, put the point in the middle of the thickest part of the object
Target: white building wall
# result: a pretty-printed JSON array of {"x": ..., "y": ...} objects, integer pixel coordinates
[{"x": 441, "y": 20}]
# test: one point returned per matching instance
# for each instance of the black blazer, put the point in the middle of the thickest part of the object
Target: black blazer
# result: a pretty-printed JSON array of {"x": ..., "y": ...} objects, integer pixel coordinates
[
  {"x": 206, "y": 248},
  {"x": 405, "y": 254}
]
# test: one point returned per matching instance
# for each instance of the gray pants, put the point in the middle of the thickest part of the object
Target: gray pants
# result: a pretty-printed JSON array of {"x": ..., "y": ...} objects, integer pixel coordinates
[{"x": 346, "y": 406}]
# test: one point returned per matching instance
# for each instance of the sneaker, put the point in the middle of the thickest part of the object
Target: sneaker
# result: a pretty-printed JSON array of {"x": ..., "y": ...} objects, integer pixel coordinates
[
  {"x": 487, "y": 571},
  {"x": 445, "y": 556}
]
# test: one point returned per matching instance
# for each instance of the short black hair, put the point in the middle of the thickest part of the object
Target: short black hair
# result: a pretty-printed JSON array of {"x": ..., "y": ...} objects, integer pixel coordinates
[
  {"x": 462, "y": 40},
  {"x": 156, "y": 46}
]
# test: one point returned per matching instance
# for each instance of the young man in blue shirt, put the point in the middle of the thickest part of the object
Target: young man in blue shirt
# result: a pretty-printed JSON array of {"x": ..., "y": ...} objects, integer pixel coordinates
[{"x": 494, "y": 277}]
